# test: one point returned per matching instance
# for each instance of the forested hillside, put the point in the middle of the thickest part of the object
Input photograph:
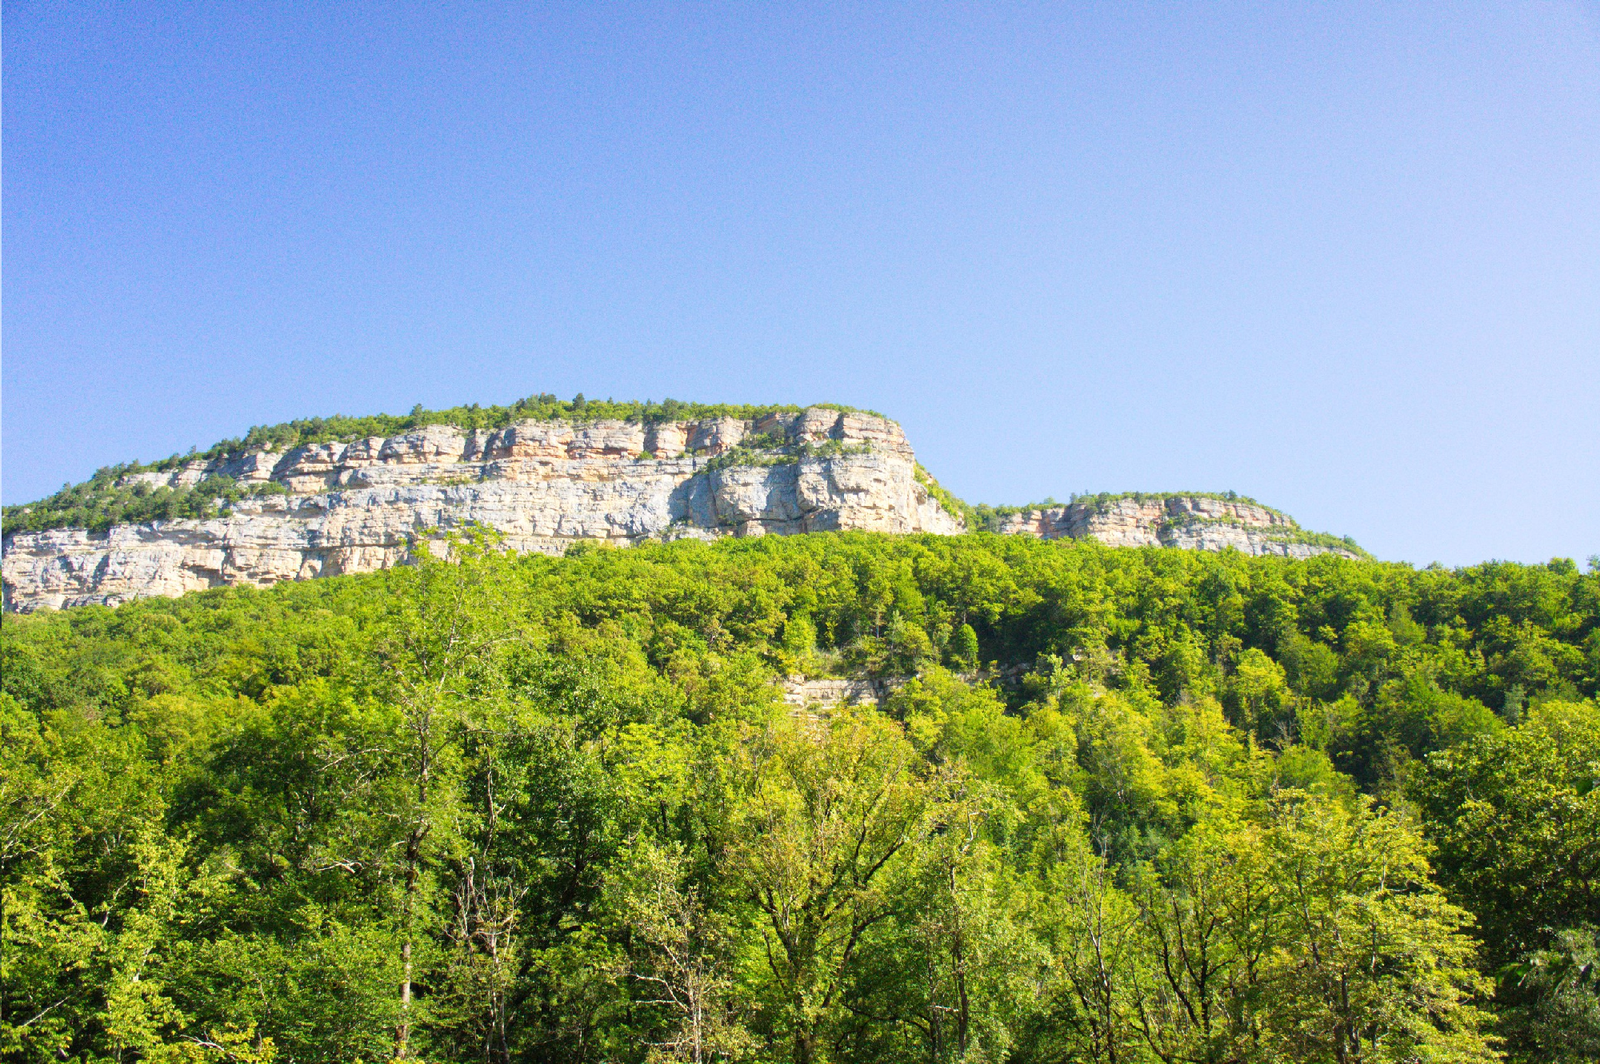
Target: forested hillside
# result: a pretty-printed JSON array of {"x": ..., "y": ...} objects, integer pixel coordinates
[{"x": 1123, "y": 805}]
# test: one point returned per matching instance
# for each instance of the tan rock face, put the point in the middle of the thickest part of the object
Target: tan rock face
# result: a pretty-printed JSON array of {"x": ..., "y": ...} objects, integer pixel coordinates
[
  {"x": 716, "y": 436},
  {"x": 666, "y": 440},
  {"x": 355, "y": 507},
  {"x": 1196, "y": 522}
]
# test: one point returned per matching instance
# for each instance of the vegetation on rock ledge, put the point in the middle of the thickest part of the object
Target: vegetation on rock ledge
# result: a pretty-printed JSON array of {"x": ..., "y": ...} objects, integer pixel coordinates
[
  {"x": 103, "y": 501},
  {"x": 544, "y": 407},
  {"x": 100, "y": 502}
]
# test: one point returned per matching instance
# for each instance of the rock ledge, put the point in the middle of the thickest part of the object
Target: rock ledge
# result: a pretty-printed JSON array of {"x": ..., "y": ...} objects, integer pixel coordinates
[{"x": 355, "y": 507}]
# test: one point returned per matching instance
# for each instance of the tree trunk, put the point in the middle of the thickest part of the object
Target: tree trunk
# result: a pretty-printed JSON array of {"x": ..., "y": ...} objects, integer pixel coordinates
[
  {"x": 419, "y": 831},
  {"x": 402, "y": 1036},
  {"x": 959, "y": 958},
  {"x": 805, "y": 1050}
]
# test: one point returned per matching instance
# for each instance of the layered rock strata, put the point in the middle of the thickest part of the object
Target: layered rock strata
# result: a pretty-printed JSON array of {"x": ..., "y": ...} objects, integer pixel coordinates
[
  {"x": 357, "y": 506},
  {"x": 801, "y": 694},
  {"x": 1196, "y": 522}
]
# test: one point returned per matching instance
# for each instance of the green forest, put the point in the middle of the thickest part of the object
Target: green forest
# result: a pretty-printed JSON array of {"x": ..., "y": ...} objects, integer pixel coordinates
[{"x": 1117, "y": 806}]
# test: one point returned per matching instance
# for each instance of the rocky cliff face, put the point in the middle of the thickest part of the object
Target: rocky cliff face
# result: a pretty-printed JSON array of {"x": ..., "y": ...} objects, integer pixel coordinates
[
  {"x": 357, "y": 506},
  {"x": 1197, "y": 522},
  {"x": 354, "y": 507}
]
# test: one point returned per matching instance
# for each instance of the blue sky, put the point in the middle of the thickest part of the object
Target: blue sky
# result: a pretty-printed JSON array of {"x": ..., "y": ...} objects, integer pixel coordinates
[{"x": 1342, "y": 258}]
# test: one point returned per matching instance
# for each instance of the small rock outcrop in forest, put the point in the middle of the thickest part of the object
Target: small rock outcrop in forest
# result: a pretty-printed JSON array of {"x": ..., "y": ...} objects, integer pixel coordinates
[{"x": 352, "y": 505}]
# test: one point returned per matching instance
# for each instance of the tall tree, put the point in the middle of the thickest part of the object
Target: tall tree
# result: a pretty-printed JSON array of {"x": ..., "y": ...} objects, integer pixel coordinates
[{"x": 820, "y": 847}]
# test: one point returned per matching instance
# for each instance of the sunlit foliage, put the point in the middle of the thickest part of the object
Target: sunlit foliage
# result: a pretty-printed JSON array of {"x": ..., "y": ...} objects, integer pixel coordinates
[{"x": 1117, "y": 805}]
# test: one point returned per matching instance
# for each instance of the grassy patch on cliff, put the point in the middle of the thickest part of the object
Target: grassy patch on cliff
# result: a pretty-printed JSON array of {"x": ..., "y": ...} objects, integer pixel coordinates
[
  {"x": 1322, "y": 539},
  {"x": 948, "y": 501}
]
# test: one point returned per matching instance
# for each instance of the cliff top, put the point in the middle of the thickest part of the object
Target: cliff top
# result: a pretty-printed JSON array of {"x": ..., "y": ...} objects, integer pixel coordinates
[
  {"x": 203, "y": 484},
  {"x": 543, "y": 407},
  {"x": 130, "y": 492}
]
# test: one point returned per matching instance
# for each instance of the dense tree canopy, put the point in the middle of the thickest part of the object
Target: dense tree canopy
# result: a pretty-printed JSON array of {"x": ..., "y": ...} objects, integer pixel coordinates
[{"x": 1120, "y": 805}]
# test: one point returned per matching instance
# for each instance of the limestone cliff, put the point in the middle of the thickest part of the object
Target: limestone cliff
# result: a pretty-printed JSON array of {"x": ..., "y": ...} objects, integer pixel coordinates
[
  {"x": 354, "y": 507},
  {"x": 1196, "y": 522},
  {"x": 358, "y": 504}
]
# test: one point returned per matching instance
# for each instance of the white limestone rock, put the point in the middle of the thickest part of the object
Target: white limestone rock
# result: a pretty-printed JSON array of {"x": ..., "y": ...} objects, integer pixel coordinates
[
  {"x": 1194, "y": 522},
  {"x": 358, "y": 506}
]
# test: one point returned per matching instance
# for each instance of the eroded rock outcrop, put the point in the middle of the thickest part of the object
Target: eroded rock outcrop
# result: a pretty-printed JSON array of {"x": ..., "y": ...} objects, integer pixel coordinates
[
  {"x": 1197, "y": 522},
  {"x": 354, "y": 507}
]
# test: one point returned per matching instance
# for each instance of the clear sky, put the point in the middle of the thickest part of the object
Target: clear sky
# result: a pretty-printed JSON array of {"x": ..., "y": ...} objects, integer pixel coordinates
[{"x": 1344, "y": 258}]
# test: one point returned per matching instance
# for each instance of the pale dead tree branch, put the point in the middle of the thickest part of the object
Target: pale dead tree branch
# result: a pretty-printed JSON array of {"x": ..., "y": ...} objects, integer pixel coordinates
[{"x": 41, "y": 1015}]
